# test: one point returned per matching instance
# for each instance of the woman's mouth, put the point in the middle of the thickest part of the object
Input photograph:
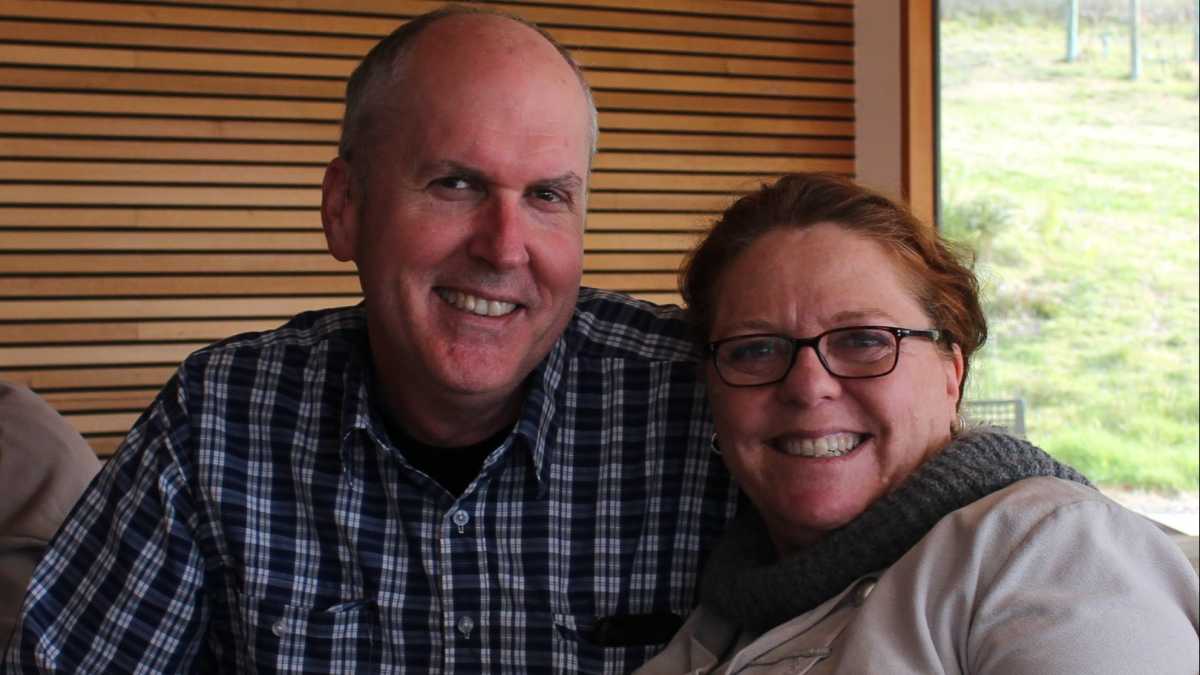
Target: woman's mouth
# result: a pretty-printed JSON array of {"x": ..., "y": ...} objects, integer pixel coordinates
[{"x": 832, "y": 445}]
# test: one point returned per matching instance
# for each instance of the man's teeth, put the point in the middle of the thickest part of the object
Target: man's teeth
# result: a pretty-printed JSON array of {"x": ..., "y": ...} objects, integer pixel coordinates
[
  {"x": 833, "y": 445},
  {"x": 476, "y": 305}
]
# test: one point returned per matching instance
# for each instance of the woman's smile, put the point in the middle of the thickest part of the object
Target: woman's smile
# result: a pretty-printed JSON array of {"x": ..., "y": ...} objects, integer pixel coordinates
[{"x": 830, "y": 445}]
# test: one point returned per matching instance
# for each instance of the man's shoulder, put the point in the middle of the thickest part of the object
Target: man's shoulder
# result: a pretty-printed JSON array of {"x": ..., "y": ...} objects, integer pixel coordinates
[
  {"x": 614, "y": 325},
  {"x": 337, "y": 329}
]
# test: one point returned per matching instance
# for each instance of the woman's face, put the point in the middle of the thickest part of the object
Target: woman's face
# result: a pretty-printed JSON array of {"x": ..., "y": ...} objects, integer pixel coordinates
[{"x": 802, "y": 283}]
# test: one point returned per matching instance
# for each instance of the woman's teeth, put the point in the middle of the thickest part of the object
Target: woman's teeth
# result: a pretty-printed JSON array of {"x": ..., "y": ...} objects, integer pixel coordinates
[
  {"x": 833, "y": 445},
  {"x": 476, "y": 305}
]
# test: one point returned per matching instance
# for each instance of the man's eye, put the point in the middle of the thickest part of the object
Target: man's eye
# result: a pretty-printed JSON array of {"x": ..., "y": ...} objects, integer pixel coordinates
[
  {"x": 456, "y": 188},
  {"x": 549, "y": 196},
  {"x": 453, "y": 183}
]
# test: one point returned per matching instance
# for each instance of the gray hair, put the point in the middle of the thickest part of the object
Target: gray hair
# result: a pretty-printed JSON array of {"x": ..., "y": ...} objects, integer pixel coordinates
[{"x": 380, "y": 69}]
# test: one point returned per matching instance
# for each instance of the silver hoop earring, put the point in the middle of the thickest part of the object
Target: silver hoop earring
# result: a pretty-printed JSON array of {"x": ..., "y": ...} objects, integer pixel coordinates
[
  {"x": 957, "y": 426},
  {"x": 716, "y": 449}
]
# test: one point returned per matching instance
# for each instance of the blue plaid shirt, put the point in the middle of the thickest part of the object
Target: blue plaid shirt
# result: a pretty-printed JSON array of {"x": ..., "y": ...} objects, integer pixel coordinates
[{"x": 258, "y": 519}]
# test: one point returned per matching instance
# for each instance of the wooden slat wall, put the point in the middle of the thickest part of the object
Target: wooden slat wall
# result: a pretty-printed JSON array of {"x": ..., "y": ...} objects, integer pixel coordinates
[{"x": 160, "y": 162}]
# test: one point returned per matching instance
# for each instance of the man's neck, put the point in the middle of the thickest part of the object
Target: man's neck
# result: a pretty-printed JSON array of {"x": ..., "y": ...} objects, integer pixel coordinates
[{"x": 448, "y": 421}]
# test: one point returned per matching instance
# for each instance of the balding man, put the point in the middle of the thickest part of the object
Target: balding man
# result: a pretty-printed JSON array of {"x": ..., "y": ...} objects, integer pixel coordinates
[{"x": 482, "y": 468}]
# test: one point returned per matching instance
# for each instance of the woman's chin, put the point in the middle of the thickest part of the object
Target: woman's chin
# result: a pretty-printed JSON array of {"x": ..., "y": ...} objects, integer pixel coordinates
[{"x": 808, "y": 518}]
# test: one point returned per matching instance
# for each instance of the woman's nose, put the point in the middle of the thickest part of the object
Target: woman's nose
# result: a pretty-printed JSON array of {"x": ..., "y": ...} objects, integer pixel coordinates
[{"x": 808, "y": 382}]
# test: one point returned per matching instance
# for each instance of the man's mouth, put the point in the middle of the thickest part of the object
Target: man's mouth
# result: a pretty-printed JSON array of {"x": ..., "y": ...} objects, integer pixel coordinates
[
  {"x": 833, "y": 445},
  {"x": 475, "y": 304}
]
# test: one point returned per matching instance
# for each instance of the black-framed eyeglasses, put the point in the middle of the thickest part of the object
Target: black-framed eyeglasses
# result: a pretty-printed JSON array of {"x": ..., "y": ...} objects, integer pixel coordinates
[{"x": 852, "y": 353}]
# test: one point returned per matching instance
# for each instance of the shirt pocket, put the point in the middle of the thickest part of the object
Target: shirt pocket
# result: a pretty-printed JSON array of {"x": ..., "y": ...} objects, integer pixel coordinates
[
  {"x": 575, "y": 651},
  {"x": 341, "y": 638}
]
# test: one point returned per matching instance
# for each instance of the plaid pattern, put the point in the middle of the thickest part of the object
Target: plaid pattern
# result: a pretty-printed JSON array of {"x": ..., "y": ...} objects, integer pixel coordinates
[{"x": 257, "y": 518}]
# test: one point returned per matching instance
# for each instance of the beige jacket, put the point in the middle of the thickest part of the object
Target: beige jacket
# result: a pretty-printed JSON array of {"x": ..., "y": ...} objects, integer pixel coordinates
[
  {"x": 1046, "y": 576},
  {"x": 44, "y": 467}
]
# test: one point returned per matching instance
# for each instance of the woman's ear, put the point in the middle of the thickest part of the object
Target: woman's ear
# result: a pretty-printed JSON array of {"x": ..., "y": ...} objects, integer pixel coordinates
[
  {"x": 339, "y": 212},
  {"x": 954, "y": 373}
]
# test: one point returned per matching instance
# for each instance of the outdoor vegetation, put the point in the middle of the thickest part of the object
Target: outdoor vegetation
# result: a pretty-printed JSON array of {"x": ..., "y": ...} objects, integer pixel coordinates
[{"x": 1080, "y": 189}]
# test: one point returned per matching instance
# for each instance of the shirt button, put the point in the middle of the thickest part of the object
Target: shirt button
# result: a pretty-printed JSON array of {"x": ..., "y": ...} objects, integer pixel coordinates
[
  {"x": 461, "y": 518},
  {"x": 279, "y": 628},
  {"x": 465, "y": 625},
  {"x": 864, "y": 589}
]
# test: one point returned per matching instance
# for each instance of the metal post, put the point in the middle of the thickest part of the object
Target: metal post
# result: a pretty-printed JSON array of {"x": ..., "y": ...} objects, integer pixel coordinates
[
  {"x": 1196, "y": 31},
  {"x": 1072, "y": 30},
  {"x": 1135, "y": 48}
]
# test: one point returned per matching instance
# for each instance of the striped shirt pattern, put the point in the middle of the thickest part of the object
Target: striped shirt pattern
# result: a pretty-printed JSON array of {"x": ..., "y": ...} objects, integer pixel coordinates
[{"x": 258, "y": 518}]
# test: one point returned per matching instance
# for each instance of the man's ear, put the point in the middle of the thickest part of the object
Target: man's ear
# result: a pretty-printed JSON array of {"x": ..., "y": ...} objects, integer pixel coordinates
[{"x": 339, "y": 212}]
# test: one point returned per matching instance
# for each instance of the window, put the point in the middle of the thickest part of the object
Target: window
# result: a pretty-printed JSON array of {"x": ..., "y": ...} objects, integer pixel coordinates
[{"x": 1079, "y": 187}]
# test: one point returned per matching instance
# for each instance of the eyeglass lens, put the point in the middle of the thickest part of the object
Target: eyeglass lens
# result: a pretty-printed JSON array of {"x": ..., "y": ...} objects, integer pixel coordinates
[{"x": 847, "y": 352}]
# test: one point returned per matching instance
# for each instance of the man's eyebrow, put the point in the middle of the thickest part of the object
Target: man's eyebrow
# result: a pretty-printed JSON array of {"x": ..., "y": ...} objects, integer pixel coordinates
[
  {"x": 569, "y": 181},
  {"x": 449, "y": 167}
]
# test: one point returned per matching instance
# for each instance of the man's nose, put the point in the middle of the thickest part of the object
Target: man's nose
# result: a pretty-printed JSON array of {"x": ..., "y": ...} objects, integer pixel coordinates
[
  {"x": 808, "y": 382},
  {"x": 501, "y": 236}
]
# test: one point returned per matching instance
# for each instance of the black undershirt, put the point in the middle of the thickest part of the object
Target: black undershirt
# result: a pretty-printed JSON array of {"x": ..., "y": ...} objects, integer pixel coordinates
[{"x": 452, "y": 468}]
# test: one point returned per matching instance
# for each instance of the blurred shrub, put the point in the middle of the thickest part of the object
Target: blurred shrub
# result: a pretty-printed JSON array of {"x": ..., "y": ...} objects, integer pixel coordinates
[{"x": 977, "y": 222}]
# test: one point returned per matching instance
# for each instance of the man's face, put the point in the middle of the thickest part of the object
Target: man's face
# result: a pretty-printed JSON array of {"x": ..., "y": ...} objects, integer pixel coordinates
[{"x": 468, "y": 227}]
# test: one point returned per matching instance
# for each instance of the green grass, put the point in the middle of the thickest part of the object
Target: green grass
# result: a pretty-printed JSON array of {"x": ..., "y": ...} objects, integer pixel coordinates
[{"x": 1081, "y": 190}]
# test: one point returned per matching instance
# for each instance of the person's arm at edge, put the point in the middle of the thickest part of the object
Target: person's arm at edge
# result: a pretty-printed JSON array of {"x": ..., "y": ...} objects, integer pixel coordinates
[
  {"x": 122, "y": 585},
  {"x": 1094, "y": 588}
]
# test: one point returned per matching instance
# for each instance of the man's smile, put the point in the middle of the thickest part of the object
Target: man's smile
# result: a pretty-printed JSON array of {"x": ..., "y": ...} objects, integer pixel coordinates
[{"x": 475, "y": 304}]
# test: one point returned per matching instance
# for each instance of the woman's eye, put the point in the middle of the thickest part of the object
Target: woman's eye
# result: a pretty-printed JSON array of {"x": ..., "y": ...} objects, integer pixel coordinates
[
  {"x": 753, "y": 351},
  {"x": 862, "y": 340},
  {"x": 861, "y": 344}
]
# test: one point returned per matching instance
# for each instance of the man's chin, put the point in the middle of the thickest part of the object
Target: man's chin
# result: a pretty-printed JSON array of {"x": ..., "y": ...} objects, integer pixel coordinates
[{"x": 483, "y": 374}]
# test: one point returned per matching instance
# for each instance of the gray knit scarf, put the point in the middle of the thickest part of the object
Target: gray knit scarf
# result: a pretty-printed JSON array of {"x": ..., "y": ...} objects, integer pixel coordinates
[{"x": 746, "y": 582}]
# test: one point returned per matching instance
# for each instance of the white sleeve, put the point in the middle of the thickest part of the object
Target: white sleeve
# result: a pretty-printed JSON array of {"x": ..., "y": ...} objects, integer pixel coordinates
[{"x": 1089, "y": 587}]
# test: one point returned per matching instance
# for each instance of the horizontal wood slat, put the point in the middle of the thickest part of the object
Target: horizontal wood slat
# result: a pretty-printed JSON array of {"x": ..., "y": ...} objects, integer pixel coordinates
[
  {"x": 59, "y": 217},
  {"x": 120, "y": 47},
  {"x": 75, "y": 332},
  {"x": 145, "y": 308},
  {"x": 86, "y": 401},
  {"x": 623, "y": 121},
  {"x": 56, "y": 240},
  {"x": 93, "y": 377},
  {"x": 777, "y": 39},
  {"x": 331, "y": 90},
  {"x": 288, "y": 197},
  {"x": 129, "y": 285},
  {"x": 29, "y": 141},
  {"x": 105, "y": 445},
  {"x": 321, "y": 56},
  {"x": 728, "y": 175},
  {"x": 161, "y": 162},
  {"x": 249, "y": 263},
  {"x": 809, "y": 23}
]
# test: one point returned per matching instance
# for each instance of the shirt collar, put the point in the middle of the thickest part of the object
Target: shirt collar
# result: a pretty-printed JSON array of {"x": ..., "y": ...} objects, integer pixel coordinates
[
  {"x": 536, "y": 428},
  {"x": 538, "y": 425}
]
